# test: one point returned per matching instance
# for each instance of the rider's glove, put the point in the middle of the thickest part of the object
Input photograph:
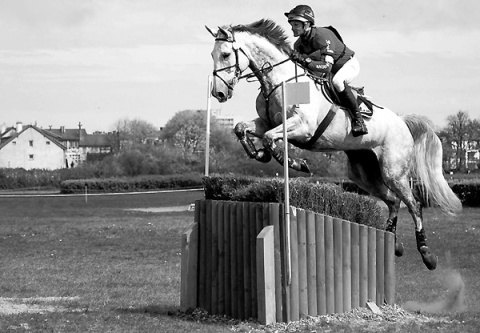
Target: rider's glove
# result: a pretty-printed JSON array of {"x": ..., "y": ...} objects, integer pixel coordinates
[{"x": 300, "y": 58}]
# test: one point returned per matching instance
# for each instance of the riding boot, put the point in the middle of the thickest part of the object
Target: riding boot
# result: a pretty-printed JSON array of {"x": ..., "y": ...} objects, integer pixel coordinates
[{"x": 348, "y": 100}]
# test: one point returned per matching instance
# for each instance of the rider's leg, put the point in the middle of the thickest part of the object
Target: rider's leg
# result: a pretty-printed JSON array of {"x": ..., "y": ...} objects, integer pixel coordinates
[
  {"x": 349, "y": 101},
  {"x": 345, "y": 75}
]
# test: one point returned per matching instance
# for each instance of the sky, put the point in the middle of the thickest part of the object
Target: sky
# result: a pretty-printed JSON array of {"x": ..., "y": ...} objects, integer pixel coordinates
[{"x": 95, "y": 62}]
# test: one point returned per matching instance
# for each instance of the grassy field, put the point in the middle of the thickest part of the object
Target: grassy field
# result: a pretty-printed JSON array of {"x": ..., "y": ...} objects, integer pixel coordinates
[{"x": 97, "y": 266}]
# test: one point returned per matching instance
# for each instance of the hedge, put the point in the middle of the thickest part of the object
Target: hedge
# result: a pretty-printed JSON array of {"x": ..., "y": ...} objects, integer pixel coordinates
[
  {"x": 468, "y": 191},
  {"x": 141, "y": 183},
  {"x": 324, "y": 198}
]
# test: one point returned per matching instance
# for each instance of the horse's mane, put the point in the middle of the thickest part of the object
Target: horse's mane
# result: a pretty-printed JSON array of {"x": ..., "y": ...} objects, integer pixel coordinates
[{"x": 269, "y": 30}]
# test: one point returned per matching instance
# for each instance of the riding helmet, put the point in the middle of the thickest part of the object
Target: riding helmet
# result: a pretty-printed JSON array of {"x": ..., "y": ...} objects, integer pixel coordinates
[{"x": 301, "y": 13}]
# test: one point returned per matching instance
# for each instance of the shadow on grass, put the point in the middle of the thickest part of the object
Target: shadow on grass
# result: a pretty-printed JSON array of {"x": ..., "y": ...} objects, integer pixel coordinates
[
  {"x": 151, "y": 310},
  {"x": 190, "y": 315}
]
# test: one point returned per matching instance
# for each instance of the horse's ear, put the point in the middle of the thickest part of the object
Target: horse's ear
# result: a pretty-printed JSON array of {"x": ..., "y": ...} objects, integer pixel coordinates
[
  {"x": 224, "y": 32},
  {"x": 211, "y": 32}
]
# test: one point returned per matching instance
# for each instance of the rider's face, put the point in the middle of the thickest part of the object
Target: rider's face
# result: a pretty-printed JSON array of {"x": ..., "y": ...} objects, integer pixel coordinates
[{"x": 298, "y": 28}]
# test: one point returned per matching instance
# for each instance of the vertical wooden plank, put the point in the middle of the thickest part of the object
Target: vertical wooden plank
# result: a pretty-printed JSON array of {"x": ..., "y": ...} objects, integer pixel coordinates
[
  {"x": 201, "y": 206},
  {"x": 321, "y": 265},
  {"x": 302, "y": 263},
  {"x": 266, "y": 276},
  {"x": 188, "y": 293},
  {"x": 274, "y": 209},
  {"x": 294, "y": 287},
  {"x": 338, "y": 264},
  {"x": 209, "y": 257},
  {"x": 380, "y": 267},
  {"x": 286, "y": 304},
  {"x": 372, "y": 264},
  {"x": 227, "y": 258},
  {"x": 197, "y": 220},
  {"x": 311, "y": 264},
  {"x": 355, "y": 258},
  {"x": 221, "y": 257},
  {"x": 215, "y": 258},
  {"x": 239, "y": 289},
  {"x": 329, "y": 265},
  {"x": 347, "y": 266},
  {"x": 390, "y": 268},
  {"x": 363, "y": 269},
  {"x": 253, "y": 266},
  {"x": 266, "y": 215},
  {"x": 247, "y": 259},
  {"x": 233, "y": 259}
]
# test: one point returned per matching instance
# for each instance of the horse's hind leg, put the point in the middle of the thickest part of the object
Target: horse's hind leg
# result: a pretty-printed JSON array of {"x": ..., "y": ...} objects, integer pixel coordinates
[
  {"x": 256, "y": 128},
  {"x": 363, "y": 169},
  {"x": 398, "y": 182}
]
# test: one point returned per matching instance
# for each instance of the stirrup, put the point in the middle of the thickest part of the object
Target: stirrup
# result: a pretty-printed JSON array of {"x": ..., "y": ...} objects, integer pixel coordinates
[{"x": 359, "y": 128}]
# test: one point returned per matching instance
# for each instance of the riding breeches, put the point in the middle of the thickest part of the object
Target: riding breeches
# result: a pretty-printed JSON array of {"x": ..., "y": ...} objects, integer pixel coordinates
[{"x": 347, "y": 73}]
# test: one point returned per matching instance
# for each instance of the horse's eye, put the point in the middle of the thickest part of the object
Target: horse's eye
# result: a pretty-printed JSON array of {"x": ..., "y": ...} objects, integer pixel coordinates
[{"x": 225, "y": 55}]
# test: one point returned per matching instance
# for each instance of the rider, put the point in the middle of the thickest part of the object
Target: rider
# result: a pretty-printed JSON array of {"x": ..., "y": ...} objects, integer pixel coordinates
[{"x": 321, "y": 51}]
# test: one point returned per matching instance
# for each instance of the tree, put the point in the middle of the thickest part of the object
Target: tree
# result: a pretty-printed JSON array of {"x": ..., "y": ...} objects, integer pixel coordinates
[
  {"x": 135, "y": 130},
  {"x": 459, "y": 131},
  {"x": 186, "y": 130}
]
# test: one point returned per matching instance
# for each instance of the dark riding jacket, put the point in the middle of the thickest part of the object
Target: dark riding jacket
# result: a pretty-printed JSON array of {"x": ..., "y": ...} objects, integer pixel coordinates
[{"x": 321, "y": 42}]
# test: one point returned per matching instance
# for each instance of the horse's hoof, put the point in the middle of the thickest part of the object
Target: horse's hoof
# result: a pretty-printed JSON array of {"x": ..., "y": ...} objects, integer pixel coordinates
[
  {"x": 399, "y": 250},
  {"x": 263, "y": 156},
  {"x": 304, "y": 166},
  {"x": 429, "y": 259}
]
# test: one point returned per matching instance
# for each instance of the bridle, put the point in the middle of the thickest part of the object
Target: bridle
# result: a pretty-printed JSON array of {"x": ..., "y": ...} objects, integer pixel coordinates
[
  {"x": 238, "y": 71},
  {"x": 267, "y": 67}
]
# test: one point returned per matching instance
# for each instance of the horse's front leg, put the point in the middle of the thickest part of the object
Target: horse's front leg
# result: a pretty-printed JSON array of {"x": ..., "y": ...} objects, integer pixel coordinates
[
  {"x": 257, "y": 128},
  {"x": 295, "y": 129}
]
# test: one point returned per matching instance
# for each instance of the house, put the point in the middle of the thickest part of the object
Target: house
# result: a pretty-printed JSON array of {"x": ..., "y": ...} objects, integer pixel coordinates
[
  {"x": 31, "y": 147},
  {"x": 464, "y": 158}
]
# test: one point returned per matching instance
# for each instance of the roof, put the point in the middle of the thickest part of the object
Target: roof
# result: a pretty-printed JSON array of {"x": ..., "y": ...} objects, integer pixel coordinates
[
  {"x": 97, "y": 140},
  {"x": 68, "y": 134},
  {"x": 41, "y": 131}
]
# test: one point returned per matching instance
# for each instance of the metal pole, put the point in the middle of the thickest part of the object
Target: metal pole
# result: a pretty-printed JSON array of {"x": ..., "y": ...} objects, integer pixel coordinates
[
  {"x": 287, "y": 191},
  {"x": 207, "y": 137}
]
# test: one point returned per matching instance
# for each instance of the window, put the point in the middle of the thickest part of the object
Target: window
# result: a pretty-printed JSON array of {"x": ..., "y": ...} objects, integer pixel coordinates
[
  {"x": 30, "y": 143},
  {"x": 30, "y": 157}
]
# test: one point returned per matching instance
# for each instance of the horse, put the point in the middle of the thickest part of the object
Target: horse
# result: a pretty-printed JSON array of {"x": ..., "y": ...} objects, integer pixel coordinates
[{"x": 380, "y": 162}]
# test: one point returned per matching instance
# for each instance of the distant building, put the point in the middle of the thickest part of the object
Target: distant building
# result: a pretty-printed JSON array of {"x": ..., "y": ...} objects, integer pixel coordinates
[
  {"x": 31, "y": 147},
  {"x": 464, "y": 158},
  {"x": 226, "y": 121}
]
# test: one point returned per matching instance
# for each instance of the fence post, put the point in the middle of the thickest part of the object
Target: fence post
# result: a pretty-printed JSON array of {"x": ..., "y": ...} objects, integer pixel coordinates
[
  {"x": 188, "y": 293},
  {"x": 266, "y": 276}
]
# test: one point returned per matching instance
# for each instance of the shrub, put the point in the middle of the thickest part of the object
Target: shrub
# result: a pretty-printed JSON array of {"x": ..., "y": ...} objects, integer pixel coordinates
[
  {"x": 468, "y": 191},
  {"x": 140, "y": 183},
  {"x": 325, "y": 198}
]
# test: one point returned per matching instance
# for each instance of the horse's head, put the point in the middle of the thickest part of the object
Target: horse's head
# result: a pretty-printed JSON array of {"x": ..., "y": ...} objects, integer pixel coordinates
[{"x": 228, "y": 64}]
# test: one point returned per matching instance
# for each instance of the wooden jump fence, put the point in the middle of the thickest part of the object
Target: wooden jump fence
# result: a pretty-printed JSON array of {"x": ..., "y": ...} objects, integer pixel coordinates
[{"x": 234, "y": 262}]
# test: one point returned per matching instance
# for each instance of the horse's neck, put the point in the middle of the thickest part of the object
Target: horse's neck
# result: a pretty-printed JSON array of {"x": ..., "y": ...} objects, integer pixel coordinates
[{"x": 264, "y": 59}]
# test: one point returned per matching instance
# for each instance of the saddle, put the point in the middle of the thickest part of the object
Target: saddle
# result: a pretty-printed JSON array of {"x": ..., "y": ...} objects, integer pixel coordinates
[{"x": 364, "y": 103}]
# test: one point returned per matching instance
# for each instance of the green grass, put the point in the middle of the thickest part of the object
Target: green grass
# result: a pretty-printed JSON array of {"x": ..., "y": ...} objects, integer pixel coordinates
[{"x": 124, "y": 266}]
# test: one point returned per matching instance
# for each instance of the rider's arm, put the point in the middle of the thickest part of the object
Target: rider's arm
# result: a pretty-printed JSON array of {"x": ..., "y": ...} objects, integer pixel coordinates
[
  {"x": 320, "y": 66},
  {"x": 323, "y": 65}
]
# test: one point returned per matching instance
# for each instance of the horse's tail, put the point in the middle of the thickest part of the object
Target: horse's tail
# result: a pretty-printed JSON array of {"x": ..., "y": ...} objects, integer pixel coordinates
[{"x": 428, "y": 165}]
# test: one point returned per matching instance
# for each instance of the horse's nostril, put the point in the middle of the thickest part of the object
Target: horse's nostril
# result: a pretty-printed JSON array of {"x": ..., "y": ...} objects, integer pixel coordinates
[{"x": 220, "y": 95}]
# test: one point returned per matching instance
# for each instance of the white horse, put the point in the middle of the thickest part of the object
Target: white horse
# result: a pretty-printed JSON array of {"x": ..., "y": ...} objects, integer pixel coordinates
[{"x": 379, "y": 162}]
